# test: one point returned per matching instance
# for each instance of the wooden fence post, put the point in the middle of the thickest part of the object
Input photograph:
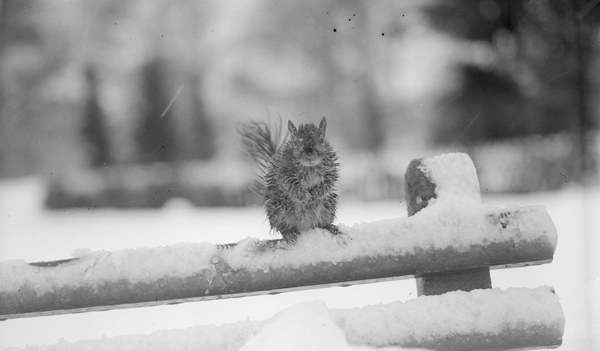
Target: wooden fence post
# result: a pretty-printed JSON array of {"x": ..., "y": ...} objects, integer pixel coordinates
[{"x": 420, "y": 190}]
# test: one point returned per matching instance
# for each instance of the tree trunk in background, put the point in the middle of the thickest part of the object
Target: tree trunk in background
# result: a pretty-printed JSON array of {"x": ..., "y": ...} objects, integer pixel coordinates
[
  {"x": 3, "y": 124},
  {"x": 373, "y": 118},
  {"x": 155, "y": 136},
  {"x": 94, "y": 132},
  {"x": 586, "y": 14},
  {"x": 202, "y": 133}
]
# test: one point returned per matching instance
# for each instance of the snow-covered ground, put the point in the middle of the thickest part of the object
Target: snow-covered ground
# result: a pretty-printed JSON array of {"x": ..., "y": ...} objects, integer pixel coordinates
[{"x": 29, "y": 232}]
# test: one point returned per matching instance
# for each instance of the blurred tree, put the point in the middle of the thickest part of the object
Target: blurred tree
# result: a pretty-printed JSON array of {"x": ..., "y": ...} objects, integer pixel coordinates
[
  {"x": 317, "y": 58},
  {"x": 546, "y": 39},
  {"x": 94, "y": 131},
  {"x": 16, "y": 27},
  {"x": 155, "y": 135},
  {"x": 489, "y": 103},
  {"x": 543, "y": 78},
  {"x": 488, "y": 106},
  {"x": 557, "y": 48},
  {"x": 533, "y": 86},
  {"x": 362, "y": 72},
  {"x": 475, "y": 20},
  {"x": 37, "y": 101}
]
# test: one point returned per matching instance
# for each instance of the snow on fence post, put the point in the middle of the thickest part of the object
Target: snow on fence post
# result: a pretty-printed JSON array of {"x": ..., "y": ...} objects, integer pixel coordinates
[{"x": 421, "y": 188}]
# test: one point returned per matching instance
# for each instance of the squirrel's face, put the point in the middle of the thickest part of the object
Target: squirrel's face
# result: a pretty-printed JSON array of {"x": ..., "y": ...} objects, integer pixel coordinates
[
  {"x": 309, "y": 145},
  {"x": 310, "y": 156}
]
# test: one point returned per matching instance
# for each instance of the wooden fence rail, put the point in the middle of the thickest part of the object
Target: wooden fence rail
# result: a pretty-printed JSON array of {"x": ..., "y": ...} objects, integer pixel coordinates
[{"x": 449, "y": 242}]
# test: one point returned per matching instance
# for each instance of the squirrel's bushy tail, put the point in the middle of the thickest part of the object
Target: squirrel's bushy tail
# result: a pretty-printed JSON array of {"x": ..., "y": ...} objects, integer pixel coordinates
[{"x": 260, "y": 140}]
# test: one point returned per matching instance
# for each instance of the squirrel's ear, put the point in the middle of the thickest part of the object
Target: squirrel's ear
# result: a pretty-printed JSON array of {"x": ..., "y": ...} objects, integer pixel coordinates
[
  {"x": 323, "y": 124},
  {"x": 291, "y": 127}
]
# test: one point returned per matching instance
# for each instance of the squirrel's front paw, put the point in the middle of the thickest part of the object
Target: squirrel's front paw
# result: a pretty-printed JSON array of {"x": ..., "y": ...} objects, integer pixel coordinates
[
  {"x": 339, "y": 237},
  {"x": 342, "y": 239},
  {"x": 333, "y": 229}
]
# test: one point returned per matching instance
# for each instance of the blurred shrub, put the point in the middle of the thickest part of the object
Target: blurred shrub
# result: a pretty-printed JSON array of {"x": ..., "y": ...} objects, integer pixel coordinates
[
  {"x": 151, "y": 186},
  {"x": 513, "y": 165},
  {"x": 526, "y": 164},
  {"x": 373, "y": 176}
]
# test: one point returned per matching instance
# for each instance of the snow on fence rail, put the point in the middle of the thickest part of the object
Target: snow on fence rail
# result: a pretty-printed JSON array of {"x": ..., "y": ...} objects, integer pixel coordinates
[
  {"x": 485, "y": 319},
  {"x": 449, "y": 242}
]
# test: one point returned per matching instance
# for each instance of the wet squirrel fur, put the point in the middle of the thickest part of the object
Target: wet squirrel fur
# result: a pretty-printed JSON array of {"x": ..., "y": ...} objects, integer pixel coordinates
[{"x": 298, "y": 176}]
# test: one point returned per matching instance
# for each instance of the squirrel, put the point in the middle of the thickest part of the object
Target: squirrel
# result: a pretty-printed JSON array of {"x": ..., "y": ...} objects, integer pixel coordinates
[{"x": 298, "y": 176}]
